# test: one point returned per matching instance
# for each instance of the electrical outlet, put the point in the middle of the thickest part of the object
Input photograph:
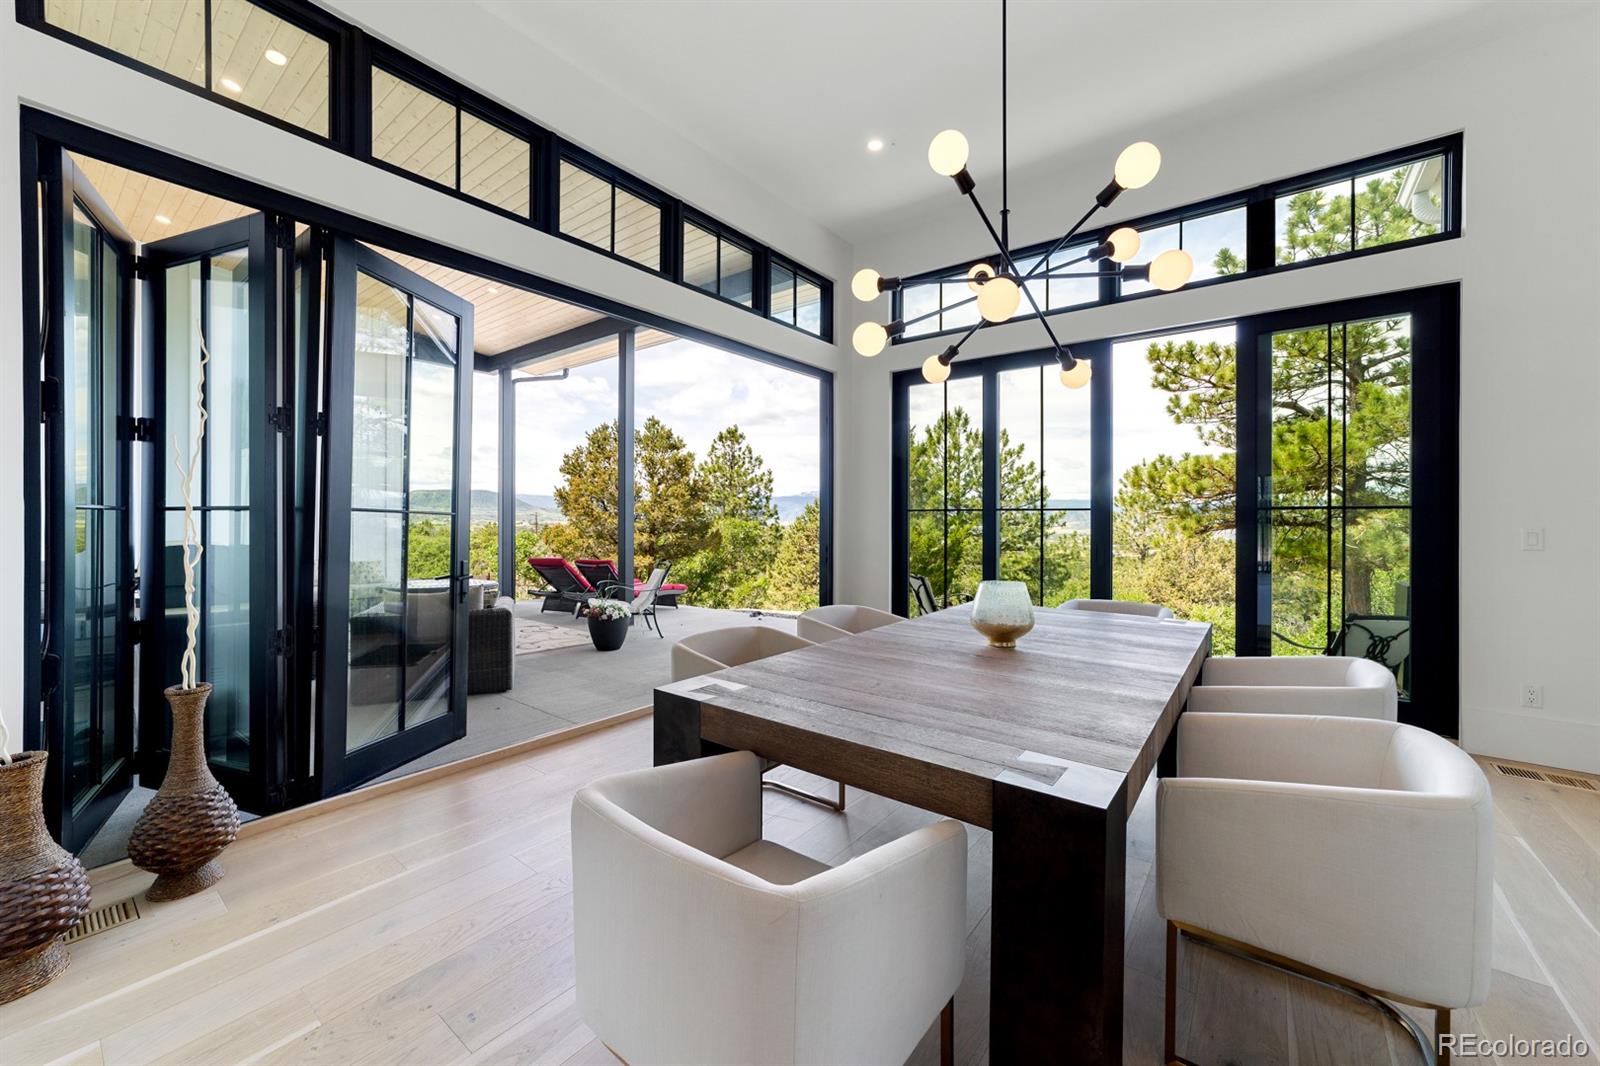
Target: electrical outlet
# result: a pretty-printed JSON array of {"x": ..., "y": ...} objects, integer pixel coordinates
[
  {"x": 1533, "y": 540},
  {"x": 1532, "y": 695}
]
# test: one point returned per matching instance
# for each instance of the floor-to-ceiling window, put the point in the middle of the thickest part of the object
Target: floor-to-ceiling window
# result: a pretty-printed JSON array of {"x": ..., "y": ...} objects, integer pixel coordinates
[
  {"x": 728, "y": 476},
  {"x": 484, "y": 540},
  {"x": 1044, "y": 484}
]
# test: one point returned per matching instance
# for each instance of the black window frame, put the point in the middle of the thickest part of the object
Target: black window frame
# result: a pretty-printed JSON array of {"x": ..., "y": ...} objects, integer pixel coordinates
[
  {"x": 798, "y": 274},
  {"x": 1260, "y": 245},
  {"x": 353, "y": 54}
]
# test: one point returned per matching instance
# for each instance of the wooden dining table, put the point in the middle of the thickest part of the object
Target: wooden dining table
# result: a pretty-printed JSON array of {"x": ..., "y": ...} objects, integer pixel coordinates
[{"x": 1047, "y": 744}]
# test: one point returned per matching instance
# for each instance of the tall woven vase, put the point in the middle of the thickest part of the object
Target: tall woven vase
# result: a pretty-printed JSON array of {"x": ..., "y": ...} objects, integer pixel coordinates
[
  {"x": 43, "y": 889},
  {"x": 191, "y": 818}
]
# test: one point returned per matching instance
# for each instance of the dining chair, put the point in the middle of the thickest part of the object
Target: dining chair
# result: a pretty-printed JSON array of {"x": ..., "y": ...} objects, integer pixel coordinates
[
  {"x": 1355, "y": 852},
  {"x": 1296, "y": 684},
  {"x": 697, "y": 941},
  {"x": 841, "y": 620},
  {"x": 1130, "y": 607},
  {"x": 718, "y": 649}
]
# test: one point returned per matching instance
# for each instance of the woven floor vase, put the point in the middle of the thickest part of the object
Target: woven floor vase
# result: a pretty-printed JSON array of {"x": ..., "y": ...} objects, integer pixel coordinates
[
  {"x": 43, "y": 889},
  {"x": 191, "y": 818}
]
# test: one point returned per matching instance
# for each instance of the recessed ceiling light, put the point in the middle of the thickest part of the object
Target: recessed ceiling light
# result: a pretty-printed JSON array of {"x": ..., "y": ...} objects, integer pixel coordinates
[
  {"x": 163, "y": 220},
  {"x": 231, "y": 85},
  {"x": 875, "y": 145},
  {"x": 493, "y": 289},
  {"x": 275, "y": 57}
]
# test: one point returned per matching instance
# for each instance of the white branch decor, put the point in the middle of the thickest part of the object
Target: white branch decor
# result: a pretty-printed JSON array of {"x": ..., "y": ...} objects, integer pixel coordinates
[
  {"x": 5, "y": 744},
  {"x": 192, "y": 548}
]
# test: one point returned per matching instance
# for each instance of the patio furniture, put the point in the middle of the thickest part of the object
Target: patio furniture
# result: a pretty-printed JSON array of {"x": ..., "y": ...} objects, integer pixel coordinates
[
  {"x": 603, "y": 572},
  {"x": 644, "y": 604},
  {"x": 1340, "y": 685},
  {"x": 490, "y": 646},
  {"x": 841, "y": 620},
  {"x": 569, "y": 590},
  {"x": 922, "y": 595},
  {"x": 697, "y": 941},
  {"x": 1129, "y": 607},
  {"x": 1358, "y": 853},
  {"x": 1382, "y": 638}
]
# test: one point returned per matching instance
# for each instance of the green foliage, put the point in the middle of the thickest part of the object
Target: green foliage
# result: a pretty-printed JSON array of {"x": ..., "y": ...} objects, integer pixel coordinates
[{"x": 792, "y": 582}]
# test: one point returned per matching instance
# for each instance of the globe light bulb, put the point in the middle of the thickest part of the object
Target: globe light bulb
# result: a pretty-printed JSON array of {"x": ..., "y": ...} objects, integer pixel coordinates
[
  {"x": 869, "y": 338},
  {"x": 947, "y": 153},
  {"x": 865, "y": 284},
  {"x": 1124, "y": 243},
  {"x": 934, "y": 371},
  {"x": 998, "y": 299},
  {"x": 1137, "y": 165},
  {"x": 977, "y": 275},
  {"x": 1077, "y": 375},
  {"x": 1171, "y": 269}
]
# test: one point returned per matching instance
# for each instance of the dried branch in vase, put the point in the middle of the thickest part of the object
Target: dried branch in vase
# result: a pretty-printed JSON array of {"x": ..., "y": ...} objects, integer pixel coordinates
[{"x": 192, "y": 548}]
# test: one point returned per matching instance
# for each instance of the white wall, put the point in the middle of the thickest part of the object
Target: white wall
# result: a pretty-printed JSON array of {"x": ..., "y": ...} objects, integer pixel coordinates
[
  {"x": 54, "y": 76},
  {"x": 1526, "y": 94}
]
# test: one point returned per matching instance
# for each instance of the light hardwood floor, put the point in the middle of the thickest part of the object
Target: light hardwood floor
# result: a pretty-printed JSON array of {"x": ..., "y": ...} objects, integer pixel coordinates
[{"x": 433, "y": 925}]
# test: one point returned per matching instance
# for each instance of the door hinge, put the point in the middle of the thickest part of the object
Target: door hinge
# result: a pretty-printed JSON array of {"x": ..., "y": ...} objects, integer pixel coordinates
[
  {"x": 49, "y": 674},
  {"x": 282, "y": 643},
  {"x": 49, "y": 399},
  {"x": 142, "y": 428},
  {"x": 321, "y": 424},
  {"x": 136, "y": 631},
  {"x": 281, "y": 418},
  {"x": 142, "y": 267}
]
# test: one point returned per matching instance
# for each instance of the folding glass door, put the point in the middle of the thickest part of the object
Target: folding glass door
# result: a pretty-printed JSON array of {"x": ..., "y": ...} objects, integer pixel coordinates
[
  {"x": 392, "y": 679},
  {"x": 88, "y": 558},
  {"x": 1350, "y": 451}
]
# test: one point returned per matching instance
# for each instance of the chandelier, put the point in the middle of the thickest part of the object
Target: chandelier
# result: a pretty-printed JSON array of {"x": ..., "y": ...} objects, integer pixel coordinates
[{"x": 999, "y": 288}]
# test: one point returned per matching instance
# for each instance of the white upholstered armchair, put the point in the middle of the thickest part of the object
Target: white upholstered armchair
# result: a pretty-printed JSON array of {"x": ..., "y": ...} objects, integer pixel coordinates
[
  {"x": 699, "y": 942},
  {"x": 1297, "y": 684},
  {"x": 841, "y": 620},
  {"x": 1130, "y": 607},
  {"x": 1358, "y": 852}
]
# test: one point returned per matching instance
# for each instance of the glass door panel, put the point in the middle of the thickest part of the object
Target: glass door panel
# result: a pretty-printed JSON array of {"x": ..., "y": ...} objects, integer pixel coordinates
[{"x": 394, "y": 602}]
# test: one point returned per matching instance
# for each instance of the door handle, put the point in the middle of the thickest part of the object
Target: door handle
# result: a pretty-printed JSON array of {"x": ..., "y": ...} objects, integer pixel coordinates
[{"x": 463, "y": 578}]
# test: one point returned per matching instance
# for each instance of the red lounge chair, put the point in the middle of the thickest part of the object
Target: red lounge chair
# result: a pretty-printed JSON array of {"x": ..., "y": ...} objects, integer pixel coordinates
[
  {"x": 569, "y": 589},
  {"x": 601, "y": 573}
]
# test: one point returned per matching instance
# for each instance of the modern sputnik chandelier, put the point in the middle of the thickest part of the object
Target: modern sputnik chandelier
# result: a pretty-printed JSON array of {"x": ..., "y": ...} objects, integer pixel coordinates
[{"x": 999, "y": 289}]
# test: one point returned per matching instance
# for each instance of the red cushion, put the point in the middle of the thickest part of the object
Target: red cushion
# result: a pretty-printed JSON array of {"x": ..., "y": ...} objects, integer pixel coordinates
[
  {"x": 638, "y": 586},
  {"x": 556, "y": 560}
]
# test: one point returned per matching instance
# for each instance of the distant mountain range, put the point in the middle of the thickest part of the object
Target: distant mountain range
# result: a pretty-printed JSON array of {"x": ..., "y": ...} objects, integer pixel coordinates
[{"x": 486, "y": 503}]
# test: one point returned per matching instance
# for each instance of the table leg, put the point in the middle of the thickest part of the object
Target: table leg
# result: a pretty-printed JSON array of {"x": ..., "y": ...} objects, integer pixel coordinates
[
  {"x": 1055, "y": 992},
  {"x": 677, "y": 730}
]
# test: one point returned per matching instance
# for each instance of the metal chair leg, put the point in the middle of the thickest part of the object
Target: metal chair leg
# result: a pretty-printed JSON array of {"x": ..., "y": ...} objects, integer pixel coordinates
[{"x": 790, "y": 790}]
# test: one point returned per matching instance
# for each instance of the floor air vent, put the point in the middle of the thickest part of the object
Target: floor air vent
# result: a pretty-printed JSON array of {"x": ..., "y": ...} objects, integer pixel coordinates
[
  {"x": 1552, "y": 777},
  {"x": 1573, "y": 782},
  {"x": 102, "y": 918},
  {"x": 1519, "y": 771}
]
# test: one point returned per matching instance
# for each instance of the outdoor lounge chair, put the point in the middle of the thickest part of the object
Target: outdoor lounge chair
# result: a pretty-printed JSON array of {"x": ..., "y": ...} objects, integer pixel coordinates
[
  {"x": 568, "y": 591},
  {"x": 644, "y": 603},
  {"x": 602, "y": 574}
]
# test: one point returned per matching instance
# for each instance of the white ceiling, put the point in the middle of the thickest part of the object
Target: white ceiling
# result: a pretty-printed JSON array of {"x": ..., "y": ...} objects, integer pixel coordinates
[{"x": 788, "y": 92}]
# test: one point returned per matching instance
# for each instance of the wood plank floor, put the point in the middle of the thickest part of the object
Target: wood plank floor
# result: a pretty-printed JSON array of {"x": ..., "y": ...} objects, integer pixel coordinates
[{"x": 434, "y": 926}]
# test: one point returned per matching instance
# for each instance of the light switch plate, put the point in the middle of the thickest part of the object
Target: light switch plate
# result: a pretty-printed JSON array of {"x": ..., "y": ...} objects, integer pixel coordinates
[{"x": 1533, "y": 540}]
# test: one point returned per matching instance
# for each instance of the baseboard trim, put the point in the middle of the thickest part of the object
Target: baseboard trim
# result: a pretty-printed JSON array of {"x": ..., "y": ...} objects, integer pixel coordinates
[
  {"x": 1531, "y": 738},
  {"x": 111, "y": 870}
]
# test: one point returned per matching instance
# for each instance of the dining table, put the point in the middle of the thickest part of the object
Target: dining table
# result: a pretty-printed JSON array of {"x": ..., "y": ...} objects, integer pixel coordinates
[{"x": 1047, "y": 744}]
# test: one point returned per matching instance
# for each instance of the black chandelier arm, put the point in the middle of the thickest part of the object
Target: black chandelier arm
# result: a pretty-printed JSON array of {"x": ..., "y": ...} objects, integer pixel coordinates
[
  {"x": 1062, "y": 243},
  {"x": 937, "y": 310}
]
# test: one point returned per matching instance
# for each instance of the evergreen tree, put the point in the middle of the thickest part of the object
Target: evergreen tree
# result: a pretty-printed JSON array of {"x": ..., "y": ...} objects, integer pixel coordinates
[
  {"x": 737, "y": 481},
  {"x": 792, "y": 585}
]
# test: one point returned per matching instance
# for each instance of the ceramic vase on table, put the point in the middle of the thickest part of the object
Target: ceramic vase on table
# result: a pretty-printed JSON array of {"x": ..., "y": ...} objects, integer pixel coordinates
[
  {"x": 191, "y": 818},
  {"x": 43, "y": 889},
  {"x": 1003, "y": 612}
]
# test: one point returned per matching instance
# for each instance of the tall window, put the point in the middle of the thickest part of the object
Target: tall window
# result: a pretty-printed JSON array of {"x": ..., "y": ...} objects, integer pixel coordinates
[
  {"x": 1174, "y": 483},
  {"x": 945, "y": 488},
  {"x": 1044, "y": 484},
  {"x": 484, "y": 509}
]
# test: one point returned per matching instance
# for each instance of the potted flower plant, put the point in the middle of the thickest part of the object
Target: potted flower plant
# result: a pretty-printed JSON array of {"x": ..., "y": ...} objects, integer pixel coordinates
[{"x": 608, "y": 623}]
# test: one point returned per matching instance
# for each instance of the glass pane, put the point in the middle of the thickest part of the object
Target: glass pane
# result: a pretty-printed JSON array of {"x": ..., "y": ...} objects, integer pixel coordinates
[
  {"x": 1021, "y": 534},
  {"x": 699, "y": 258},
  {"x": 780, "y": 300},
  {"x": 960, "y": 305},
  {"x": 926, "y": 446},
  {"x": 1021, "y": 439},
  {"x": 494, "y": 164},
  {"x": 1306, "y": 396},
  {"x": 1152, "y": 242},
  {"x": 102, "y": 474},
  {"x": 229, "y": 403},
  {"x": 638, "y": 230},
  {"x": 85, "y": 442},
  {"x": 1216, "y": 243},
  {"x": 1070, "y": 292},
  {"x": 378, "y": 447},
  {"x": 271, "y": 65},
  {"x": 433, "y": 410},
  {"x": 1377, "y": 433},
  {"x": 925, "y": 543},
  {"x": 169, "y": 35},
  {"x": 1400, "y": 203},
  {"x": 963, "y": 555},
  {"x": 1066, "y": 443},
  {"x": 1313, "y": 223},
  {"x": 484, "y": 541},
  {"x": 585, "y": 206},
  {"x": 1377, "y": 589},
  {"x": 1066, "y": 557},
  {"x": 430, "y": 610},
  {"x": 413, "y": 129},
  {"x": 808, "y": 305},
  {"x": 737, "y": 265},
  {"x": 182, "y": 348},
  {"x": 1037, "y": 288},
  {"x": 88, "y": 577},
  {"x": 226, "y": 613},
  {"x": 1302, "y": 608},
  {"x": 1173, "y": 469},
  {"x": 916, "y": 301},
  {"x": 376, "y": 628},
  {"x": 964, "y": 444}
]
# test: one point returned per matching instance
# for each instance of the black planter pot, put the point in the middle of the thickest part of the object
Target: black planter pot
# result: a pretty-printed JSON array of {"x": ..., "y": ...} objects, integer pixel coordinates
[{"x": 608, "y": 633}]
